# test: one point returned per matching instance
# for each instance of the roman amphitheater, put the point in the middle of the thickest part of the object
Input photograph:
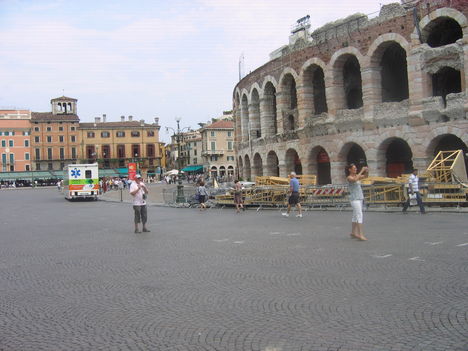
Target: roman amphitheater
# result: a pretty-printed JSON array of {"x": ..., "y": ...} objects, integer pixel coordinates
[{"x": 387, "y": 91}]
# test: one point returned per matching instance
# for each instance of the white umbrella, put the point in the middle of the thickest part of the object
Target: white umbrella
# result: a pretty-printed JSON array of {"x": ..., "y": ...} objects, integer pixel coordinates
[{"x": 173, "y": 172}]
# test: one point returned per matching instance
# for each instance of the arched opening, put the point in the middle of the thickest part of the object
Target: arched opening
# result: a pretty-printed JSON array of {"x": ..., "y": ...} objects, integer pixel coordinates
[
  {"x": 214, "y": 172},
  {"x": 320, "y": 98},
  {"x": 254, "y": 116},
  {"x": 357, "y": 156},
  {"x": 446, "y": 81},
  {"x": 293, "y": 162},
  {"x": 258, "y": 165},
  {"x": 291, "y": 124},
  {"x": 272, "y": 164},
  {"x": 314, "y": 79},
  {"x": 245, "y": 118},
  {"x": 230, "y": 171},
  {"x": 271, "y": 123},
  {"x": 289, "y": 90},
  {"x": 450, "y": 142},
  {"x": 394, "y": 74},
  {"x": 247, "y": 169},
  {"x": 323, "y": 167},
  {"x": 222, "y": 171},
  {"x": 352, "y": 83},
  {"x": 443, "y": 31},
  {"x": 399, "y": 158}
]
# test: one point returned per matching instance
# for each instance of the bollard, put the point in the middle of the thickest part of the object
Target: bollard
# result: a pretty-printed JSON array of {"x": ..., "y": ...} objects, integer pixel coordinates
[{"x": 121, "y": 195}]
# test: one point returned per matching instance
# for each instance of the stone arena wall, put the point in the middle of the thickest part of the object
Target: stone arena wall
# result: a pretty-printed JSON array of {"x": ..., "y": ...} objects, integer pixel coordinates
[{"x": 388, "y": 92}]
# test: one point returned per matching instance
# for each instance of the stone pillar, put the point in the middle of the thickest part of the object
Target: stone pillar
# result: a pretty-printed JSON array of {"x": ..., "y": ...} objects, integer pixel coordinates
[
  {"x": 334, "y": 93},
  {"x": 281, "y": 105},
  {"x": 464, "y": 70},
  {"x": 245, "y": 121},
  {"x": 337, "y": 172},
  {"x": 305, "y": 104},
  {"x": 266, "y": 116},
  {"x": 374, "y": 169},
  {"x": 283, "y": 172},
  {"x": 237, "y": 125},
  {"x": 371, "y": 91},
  {"x": 418, "y": 84}
]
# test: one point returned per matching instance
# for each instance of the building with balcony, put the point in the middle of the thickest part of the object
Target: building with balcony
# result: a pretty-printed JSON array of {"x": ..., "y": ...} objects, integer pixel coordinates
[
  {"x": 388, "y": 91},
  {"x": 115, "y": 144},
  {"x": 218, "y": 148},
  {"x": 15, "y": 140},
  {"x": 55, "y": 136}
]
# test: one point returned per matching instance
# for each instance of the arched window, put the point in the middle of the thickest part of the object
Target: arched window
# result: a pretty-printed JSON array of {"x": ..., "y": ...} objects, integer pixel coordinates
[
  {"x": 394, "y": 74},
  {"x": 352, "y": 83},
  {"x": 443, "y": 31},
  {"x": 446, "y": 81}
]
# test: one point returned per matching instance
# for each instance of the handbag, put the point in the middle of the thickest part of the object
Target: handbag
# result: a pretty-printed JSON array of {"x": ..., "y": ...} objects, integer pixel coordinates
[{"x": 413, "y": 200}]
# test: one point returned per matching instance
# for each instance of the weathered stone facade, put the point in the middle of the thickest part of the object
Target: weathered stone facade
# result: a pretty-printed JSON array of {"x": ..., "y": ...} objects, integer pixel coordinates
[{"x": 389, "y": 92}]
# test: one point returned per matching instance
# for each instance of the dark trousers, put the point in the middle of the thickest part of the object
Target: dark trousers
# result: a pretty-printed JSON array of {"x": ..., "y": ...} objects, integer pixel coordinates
[
  {"x": 418, "y": 200},
  {"x": 140, "y": 214}
]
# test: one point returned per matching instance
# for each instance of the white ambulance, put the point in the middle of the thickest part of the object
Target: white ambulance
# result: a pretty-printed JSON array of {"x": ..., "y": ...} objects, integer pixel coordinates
[{"x": 81, "y": 181}]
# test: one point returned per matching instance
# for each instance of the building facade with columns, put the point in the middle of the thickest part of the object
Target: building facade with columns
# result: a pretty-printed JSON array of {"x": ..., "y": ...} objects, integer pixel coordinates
[
  {"x": 388, "y": 92},
  {"x": 218, "y": 148}
]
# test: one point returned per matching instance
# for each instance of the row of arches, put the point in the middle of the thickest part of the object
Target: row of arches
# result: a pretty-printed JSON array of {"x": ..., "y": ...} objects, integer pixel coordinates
[
  {"x": 393, "y": 158},
  {"x": 349, "y": 80}
]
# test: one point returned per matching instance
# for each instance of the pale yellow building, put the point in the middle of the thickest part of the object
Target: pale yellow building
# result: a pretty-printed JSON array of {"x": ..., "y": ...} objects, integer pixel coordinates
[
  {"x": 115, "y": 144},
  {"x": 218, "y": 149}
]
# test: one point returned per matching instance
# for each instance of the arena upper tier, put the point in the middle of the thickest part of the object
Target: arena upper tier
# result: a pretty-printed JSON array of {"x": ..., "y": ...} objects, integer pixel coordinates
[{"x": 389, "y": 92}]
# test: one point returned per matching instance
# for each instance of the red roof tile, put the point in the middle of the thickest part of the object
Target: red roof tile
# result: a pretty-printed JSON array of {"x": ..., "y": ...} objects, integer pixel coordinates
[
  {"x": 223, "y": 124},
  {"x": 125, "y": 124},
  {"x": 49, "y": 116}
]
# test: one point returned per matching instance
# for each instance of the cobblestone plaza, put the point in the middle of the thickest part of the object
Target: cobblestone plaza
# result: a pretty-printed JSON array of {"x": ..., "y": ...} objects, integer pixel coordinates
[{"x": 74, "y": 276}]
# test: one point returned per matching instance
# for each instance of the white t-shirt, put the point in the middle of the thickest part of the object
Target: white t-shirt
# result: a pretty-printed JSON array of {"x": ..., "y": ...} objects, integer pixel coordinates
[
  {"x": 138, "y": 197},
  {"x": 414, "y": 181}
]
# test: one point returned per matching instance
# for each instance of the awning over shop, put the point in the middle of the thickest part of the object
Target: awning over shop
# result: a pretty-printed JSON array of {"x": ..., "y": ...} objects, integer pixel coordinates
[
  {"x": 42, "y": 175},
  {"x": 192, "y": 169},
  {"x": 109, "y": 173},
  {"x": 58, "y": 174},
  {"x": 123, "y": 172},
  {"x": 26, "y": 175}
]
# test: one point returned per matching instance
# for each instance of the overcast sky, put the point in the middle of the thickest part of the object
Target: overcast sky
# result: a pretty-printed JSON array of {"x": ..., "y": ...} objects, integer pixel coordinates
[{"x": 146, "y": 58}]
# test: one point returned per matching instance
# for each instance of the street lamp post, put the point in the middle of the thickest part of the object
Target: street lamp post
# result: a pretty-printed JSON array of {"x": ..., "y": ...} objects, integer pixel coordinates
[{"x": 180, "y": 188}]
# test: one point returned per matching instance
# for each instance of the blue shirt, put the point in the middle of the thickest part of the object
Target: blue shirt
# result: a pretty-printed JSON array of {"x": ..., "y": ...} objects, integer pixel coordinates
[{"x": 294, "y": 184}]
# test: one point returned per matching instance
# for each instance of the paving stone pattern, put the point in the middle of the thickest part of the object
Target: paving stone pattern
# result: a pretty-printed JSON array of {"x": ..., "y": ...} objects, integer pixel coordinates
[{"x": 74, "y": 276}]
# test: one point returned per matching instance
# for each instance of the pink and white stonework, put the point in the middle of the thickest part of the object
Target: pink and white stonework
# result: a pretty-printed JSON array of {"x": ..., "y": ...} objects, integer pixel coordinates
[{"x": 389, "y": 92}]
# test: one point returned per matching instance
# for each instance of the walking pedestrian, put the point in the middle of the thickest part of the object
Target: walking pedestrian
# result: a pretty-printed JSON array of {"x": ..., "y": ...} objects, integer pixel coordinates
[
  {"x": 139, "y": 192},
  {"x": 294, "y": 195},
  {"x": 238, "y": 196},
  {"x": 356, "y": 198},
  {"x": 413, "y": 190},
  {"x": 202, "y": 195}
]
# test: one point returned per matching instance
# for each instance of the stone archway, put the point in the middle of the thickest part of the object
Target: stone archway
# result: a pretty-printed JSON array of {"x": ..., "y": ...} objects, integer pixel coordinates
[
  {"x": 247, "y": 168},
  {"x": 293, "y": 162},
  {"x": 257, "y": 165},
  {"x": 448, "y": 142},
  {"x": 398, "y": 157},
  {"x": 272, "y": 168},
  {"x": 319, "y": 165}
]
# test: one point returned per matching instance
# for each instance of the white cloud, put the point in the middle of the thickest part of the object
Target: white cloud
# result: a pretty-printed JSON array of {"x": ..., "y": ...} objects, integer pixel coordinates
[{"x": 153, "y": 62}]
